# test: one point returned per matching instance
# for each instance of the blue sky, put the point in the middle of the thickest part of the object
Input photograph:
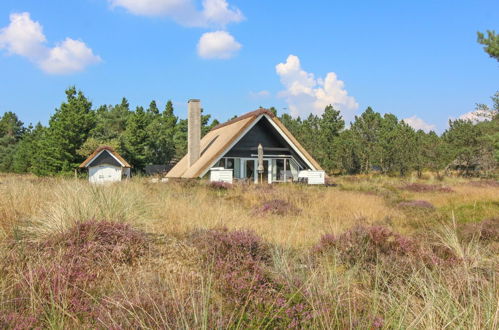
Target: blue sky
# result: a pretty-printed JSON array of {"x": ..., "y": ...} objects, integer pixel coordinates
[{"x": 410, "y": 58}]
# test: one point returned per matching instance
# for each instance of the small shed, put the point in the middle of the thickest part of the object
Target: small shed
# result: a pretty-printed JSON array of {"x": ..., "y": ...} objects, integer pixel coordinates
[{"x": 106, "y": 165}]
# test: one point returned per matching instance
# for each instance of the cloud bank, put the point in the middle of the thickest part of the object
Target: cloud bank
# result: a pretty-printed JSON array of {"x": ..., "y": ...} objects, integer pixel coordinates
[
  {"x": 419, "y": 124},
  {"x": 305, "y": 94},
  {"x": 24, "y": 37}
]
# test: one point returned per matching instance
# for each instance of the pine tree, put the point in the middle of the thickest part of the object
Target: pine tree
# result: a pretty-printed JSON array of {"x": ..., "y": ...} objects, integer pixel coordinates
[
  {"x": 111, "y": 121},
  {"x": 180, "y": 138},
  {"x": 161, "y": 136},
  {"x": 135, "y": 139},
  {"x": 11, "y": 131},
  {"x": 330, "y": 125},
  {"x": 388, "y": 149},
  {"x": 46, "y": 156},
  {"x": 348, "y": 152},
  {"x": 491, "y": 43},
  {"x": 366, "y": 129},
  {"x": 68, "y": 129},
  {"x": 465, "y": 143},
  {"x": 309, "y": 132}
]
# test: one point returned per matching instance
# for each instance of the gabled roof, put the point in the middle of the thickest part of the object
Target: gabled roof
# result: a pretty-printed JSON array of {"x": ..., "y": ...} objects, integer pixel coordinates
[
  {"x": 100, "y": 150},
  {"x": 223, "y": 137}
]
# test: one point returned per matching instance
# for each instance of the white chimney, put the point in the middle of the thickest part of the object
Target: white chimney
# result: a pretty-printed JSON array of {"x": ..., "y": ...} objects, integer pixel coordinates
[{"x": 193, "y": 131}]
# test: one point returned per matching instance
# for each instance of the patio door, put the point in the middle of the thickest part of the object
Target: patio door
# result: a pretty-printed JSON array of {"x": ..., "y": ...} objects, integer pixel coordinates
[{"x": 249, "y": 170}]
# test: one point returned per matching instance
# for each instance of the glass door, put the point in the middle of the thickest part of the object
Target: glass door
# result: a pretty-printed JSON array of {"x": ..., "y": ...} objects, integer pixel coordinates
[
  {"x": 249, "y": 166},
  {"x": 265, "y": 175}
]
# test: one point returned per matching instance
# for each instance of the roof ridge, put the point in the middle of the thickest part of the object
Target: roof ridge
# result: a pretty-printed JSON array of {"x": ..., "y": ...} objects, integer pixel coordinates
[
  {"x": 102, "y": 148},
  {"x": 253, "y": 113}
]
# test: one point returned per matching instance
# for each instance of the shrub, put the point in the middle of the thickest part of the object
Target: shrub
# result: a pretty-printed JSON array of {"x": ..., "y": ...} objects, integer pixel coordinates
[
  {"x": 422, "y": 187},
  {"x": 238, "y": 259},
  {"x": 373, "y": 244},
  {"x": 366, "y": 244},
  {"x": 241, "y": 265},
  {"x": 486, "y": 230},
  {"x": 16, "y": 321},
  {"x": 218, "y": 185},
  {"x": 484, "y": 183},
  {"x": 416, "y": 204},
  {"x": 66, "y": 269},
  {"x": 277, "y": 207}
]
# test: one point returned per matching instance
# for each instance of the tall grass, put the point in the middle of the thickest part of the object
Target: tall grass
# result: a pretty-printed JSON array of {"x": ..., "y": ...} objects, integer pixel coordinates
[{"x": 189, "y": 255}]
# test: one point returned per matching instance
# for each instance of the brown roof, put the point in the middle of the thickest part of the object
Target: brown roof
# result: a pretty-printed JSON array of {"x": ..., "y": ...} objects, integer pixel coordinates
[
  {"x": 254, "y": 113},
  {"x": 111, "y": 150},
  {"x": 221, "y": 137}
]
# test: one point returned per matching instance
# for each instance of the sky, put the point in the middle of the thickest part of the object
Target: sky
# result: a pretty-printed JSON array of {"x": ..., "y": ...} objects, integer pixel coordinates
[{"x": 416, "y": 59}]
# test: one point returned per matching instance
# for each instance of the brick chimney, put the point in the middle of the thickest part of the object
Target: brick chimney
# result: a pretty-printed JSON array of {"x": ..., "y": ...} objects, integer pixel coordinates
[{"x": 193, "y": 131}]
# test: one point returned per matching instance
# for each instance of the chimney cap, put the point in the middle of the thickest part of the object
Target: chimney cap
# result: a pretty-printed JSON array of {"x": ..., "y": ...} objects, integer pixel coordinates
[{"x": 193, "y": 100}]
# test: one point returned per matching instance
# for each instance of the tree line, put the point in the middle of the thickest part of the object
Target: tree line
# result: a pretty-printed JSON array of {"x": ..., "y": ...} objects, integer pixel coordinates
[
  {"x": 386, "y": 144},
  {"x": 146, "y": 136},
  {"x": 143, "y": 136}
]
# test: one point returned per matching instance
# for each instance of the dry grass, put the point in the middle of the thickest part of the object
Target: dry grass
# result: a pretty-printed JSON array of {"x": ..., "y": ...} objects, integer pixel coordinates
[{"x": 171, "y": 286}]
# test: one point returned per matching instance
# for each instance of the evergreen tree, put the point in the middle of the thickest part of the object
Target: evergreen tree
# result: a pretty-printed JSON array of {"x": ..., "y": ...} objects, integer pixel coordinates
[
  {"x": 69, "y": 128},
  {"x": 309, "y": 133},
  {"x": 23, "y": 156},
  {"x": 465, "y": 143},
  {"x": 404, "y": 149},
  {"x": 388, "y": 157},
  {"x": 330, "y": 125},
  {"x": 293, "y": 125},
  {"x": 135, "y": 139},
  {"x": 46, "y": 156},
  {"x": 366, "y": 129},
  {"x": 11, "y": 131},
  {"x": 491, "y": 43},
  {"x": 161, "y": 135},
  {"x": 348, "y": 152},
  {"x": 180, "y": 138},
  {"x": 111, "y": 121}
]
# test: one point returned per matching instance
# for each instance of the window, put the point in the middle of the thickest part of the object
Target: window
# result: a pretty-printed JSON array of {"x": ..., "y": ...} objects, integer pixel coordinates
[
  {"x": 220, "y": 163},
  {"x": 250, "y": 169}
]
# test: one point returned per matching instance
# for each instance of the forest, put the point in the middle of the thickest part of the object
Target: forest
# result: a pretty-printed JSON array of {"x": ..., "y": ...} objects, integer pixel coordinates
[{"x": 145, "y": 136}]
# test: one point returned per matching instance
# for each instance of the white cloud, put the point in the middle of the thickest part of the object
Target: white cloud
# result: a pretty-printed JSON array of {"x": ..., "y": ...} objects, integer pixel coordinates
[
  {"x": 218, "y": 12},
  {"x": 478, "y": 115},
  {"x": 306, "y": 94},
  {"x": 68, "y": 56},
  {"x": 418, "y": 123},
  {"x": 185, "y": 12},
  {"x": 25, "y": 37},
  {"x": 217, "y": 45}
]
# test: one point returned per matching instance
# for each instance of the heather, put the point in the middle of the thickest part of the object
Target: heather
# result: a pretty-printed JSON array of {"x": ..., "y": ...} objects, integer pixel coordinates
[
  {"x": 364, "y": 254},
  {"x": 422, "y": 187},
  {"x": 276, "y": 207},
  {"x": 416, "y": 204}
]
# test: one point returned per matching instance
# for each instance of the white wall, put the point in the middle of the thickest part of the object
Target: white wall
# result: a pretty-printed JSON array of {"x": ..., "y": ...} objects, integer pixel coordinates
[
  {"x": 104, "y": 173},
  {"x": 313, "y": 177},
  {"x": 219, "y": 174}
]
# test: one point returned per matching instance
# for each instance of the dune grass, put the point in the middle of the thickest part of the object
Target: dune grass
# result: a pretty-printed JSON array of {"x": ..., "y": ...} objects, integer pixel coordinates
[{"x": 362, "y": 254}]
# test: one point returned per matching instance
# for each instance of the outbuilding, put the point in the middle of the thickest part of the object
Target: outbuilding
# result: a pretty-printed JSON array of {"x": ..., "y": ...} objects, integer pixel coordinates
[{"x": 106, "y": 165}]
